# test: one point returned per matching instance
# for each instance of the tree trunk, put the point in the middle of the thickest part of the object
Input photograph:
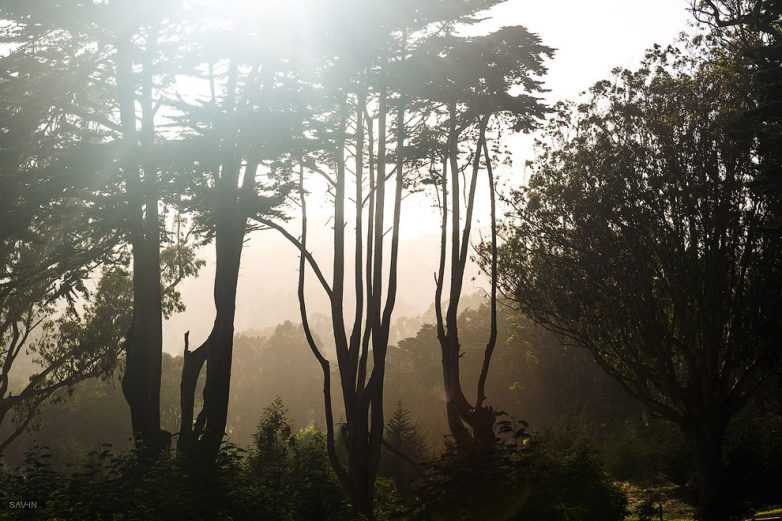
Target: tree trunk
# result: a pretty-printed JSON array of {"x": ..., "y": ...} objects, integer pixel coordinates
[
  {"x": 144, "y": 348},
  {"x": 191, "y": 369},
  {"x": 461, "y": 414},
  {"x": 219, "y": 354},
  {"x": 456, "y": 404},
  {"x": 705, "y": 440},
  {"x": 360, "y": 482},
  {"x": 233, "y": 206},
  {"x": 144, "y": 342}
]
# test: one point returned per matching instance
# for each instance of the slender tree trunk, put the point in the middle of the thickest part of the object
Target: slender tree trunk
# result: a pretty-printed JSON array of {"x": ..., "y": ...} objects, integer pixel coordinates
[
  {"x": 231, "y": 213},
  {"x": 220, "y": 351},
  {"x": 324, "y": 363},
  {"x": 361, "y": 482},
  {"x": 144, "y": 342},
  {"x": 362, "y": 392},
  {"x": 233, "y": 206},
  {"x": 456, "y": 404},
  {"x": 483, "y": 422},
  {"x": 217, "y": 351},
  {"x": 461, "y": 414}
]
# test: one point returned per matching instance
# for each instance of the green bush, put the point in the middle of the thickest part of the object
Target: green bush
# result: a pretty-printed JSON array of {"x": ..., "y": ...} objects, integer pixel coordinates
[
  {"x": 520, "y": 480},
  {"x": 636, "y": 452},
  {"x": 296, "y": 468},
  {"x": 121, "y": 486},
  {"x": 286, "y": 476}
]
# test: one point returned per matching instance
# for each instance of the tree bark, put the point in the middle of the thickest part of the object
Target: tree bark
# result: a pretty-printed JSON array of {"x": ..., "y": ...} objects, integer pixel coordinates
[
  {"x": 705, "y": 439},
  {"x": 461, "y": 414},
  {"x": 191, "y": 368},
  {"x": 144, "y": 342},
  {"x": 228, "y": 246}
]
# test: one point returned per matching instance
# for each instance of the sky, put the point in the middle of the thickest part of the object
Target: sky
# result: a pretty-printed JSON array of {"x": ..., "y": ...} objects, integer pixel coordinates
[{"x": 591, "y": 37}]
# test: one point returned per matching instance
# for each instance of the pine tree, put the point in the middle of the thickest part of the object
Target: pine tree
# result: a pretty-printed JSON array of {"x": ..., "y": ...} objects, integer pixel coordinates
[{"x": 406, "y": 435}]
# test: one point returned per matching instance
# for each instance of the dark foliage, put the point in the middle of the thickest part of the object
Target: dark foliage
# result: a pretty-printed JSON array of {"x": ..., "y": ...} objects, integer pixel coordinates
[
  {"x": 519, "y": 479},
  {"x": 286, "y": 476}
]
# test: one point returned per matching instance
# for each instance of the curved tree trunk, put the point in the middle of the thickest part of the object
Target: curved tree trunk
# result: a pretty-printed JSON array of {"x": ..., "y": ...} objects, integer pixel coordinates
[
  {"x": 362, "y": 387},
  {"x": 217, "y": 351},
  {"x": 471, "y": 426},
  {"x": 219, "y": 354},
  {"x": 233, "y": 207}
]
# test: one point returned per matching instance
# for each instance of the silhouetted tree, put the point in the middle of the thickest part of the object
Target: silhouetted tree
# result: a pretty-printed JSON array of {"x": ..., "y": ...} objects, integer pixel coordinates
[
  {"x": 638, "y": 239},
  {"x": 54, "y": 227},
  {"x": 102, "y": 67},
  {"x": 71, "y": 349},
  {"x": 243, "y": 130},
  {"x": 471, "y": 80},
  {"x": 366, "y": 60},
  {"x": 752, "y": 31}
]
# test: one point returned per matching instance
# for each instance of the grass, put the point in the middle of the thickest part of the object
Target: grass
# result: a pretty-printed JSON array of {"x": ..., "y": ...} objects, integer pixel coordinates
[
  {"x": 674, "y": 501},
  {"x": 675, "y": 508},
  {"x": 769, "y": 512}
]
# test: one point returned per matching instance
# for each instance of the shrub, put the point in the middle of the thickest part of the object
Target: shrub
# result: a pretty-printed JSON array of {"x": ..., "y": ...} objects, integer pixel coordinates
[{"x": 518, "y": 480}]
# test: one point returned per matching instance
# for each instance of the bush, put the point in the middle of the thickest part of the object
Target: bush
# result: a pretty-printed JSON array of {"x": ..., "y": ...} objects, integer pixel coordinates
[
  {"x": 753, "y": 460},
  {"x": 121, "y": 486},
  {"x": 643, "y": 453},
  {"x": 520, "y": 480},
  {"x": 296, "y": 468},
  {"x": 647, "y": 510}
]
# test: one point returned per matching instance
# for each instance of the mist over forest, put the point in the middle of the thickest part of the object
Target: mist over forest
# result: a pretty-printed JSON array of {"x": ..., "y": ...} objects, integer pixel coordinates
[
  {"x": 376, "y": 260},
  {"x": 263, "y": 304}
]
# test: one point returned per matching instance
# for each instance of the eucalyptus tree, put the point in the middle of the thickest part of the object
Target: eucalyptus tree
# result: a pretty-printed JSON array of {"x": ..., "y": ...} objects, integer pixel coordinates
[
  {"x": 482, "y": 85},
  {"x": 357, "y": 139},
  {"x": 638, "y": 239},
  {"x": 78, "y": 343},
  {"x": 51, "y": 238},
  {"x": 353, "y": 104},
  {"x": 243, "y": 131},
  {"x": 102, "y": 67}
]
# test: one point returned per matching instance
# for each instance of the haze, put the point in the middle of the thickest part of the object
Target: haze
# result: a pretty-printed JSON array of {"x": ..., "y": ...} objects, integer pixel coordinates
[{"x": 590, "y": 39}]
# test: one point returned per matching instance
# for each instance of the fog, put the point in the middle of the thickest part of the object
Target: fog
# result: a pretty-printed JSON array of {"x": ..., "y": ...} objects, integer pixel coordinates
[
  {"x": 590, "y": 39},
  {"x": 390, "y": 259}
]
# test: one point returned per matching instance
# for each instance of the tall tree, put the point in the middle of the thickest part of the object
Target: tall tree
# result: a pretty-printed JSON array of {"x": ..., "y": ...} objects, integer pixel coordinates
[
  {"x": 111, "y": 61},
  {"x": 244, "y": 130},
  {"x": 53, "y": 227},
  {"x": 473, "y": 80},
  {"x": 367, "y": 113},
  {"x": 638, "y": 239}
]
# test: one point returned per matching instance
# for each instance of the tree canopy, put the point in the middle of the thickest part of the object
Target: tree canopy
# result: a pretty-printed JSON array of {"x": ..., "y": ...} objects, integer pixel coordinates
[{"x": 638, "y": 238}]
